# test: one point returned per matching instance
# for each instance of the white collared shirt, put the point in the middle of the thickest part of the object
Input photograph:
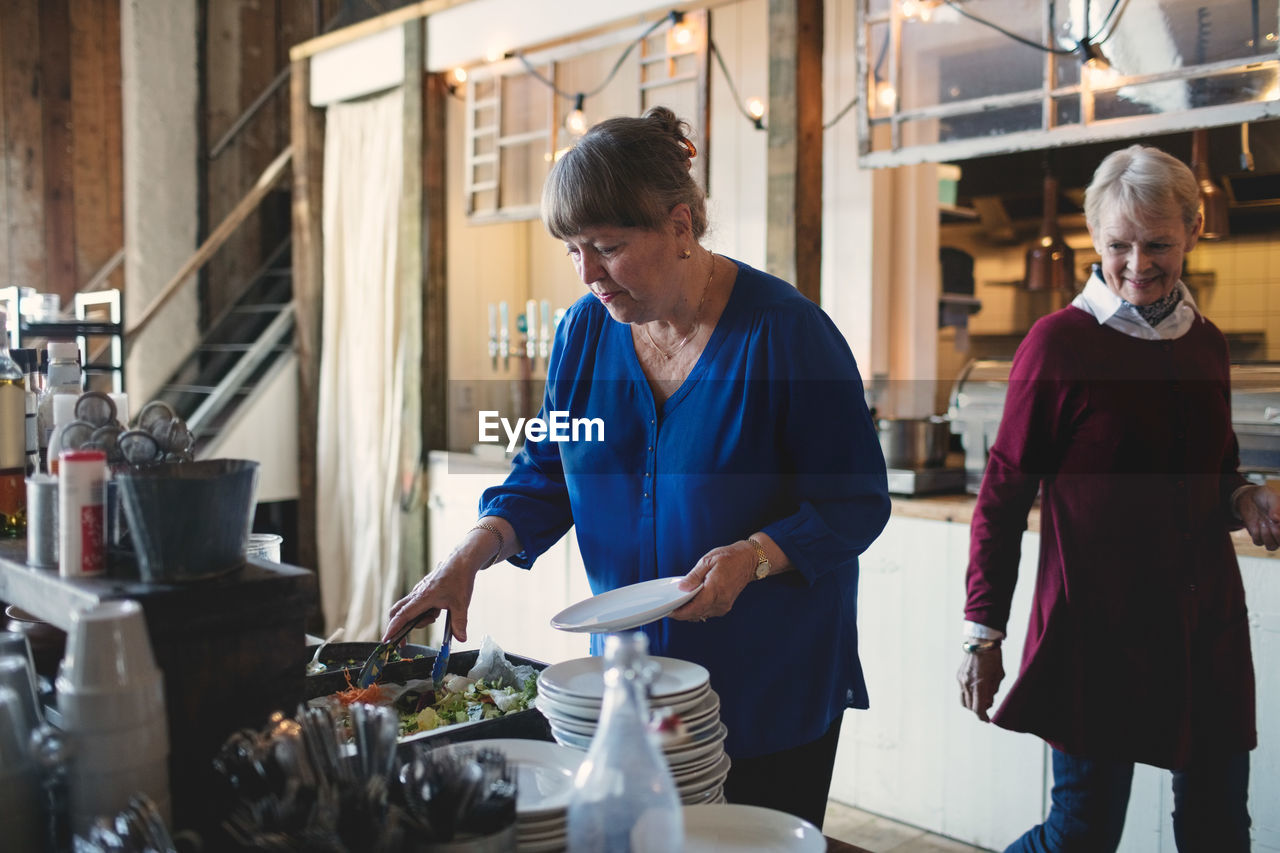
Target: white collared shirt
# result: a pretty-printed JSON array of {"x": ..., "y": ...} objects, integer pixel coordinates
[{"x": 1102, "y": 303}]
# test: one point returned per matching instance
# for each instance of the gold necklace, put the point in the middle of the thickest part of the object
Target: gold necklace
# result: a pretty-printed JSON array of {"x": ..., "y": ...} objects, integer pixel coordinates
[{"x": 696, "y": 314}]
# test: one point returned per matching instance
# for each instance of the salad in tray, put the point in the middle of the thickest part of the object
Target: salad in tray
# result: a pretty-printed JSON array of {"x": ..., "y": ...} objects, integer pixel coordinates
[{"x": 492, "y": 688}]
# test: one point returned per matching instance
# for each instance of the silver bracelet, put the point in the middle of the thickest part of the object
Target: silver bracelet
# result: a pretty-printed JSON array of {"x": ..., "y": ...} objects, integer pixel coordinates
[
  {"x": 974, "y": 647},
  {"x": 502, "y": 542}
]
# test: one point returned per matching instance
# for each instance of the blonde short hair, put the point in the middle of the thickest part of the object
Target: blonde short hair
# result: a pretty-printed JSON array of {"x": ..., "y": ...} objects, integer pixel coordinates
[
  {"x": 626, "y": 172},
  {"x": 1141, "y": 182}
]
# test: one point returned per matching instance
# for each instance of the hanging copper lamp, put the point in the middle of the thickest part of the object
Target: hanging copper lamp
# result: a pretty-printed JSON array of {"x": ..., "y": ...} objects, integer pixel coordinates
[
  {"x": 1213, "y": 200},
  {"x": 1050, "y": 261}
]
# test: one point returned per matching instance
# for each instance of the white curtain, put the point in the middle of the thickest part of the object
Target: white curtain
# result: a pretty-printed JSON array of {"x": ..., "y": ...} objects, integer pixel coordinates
[{"x": 366, "y": 432}]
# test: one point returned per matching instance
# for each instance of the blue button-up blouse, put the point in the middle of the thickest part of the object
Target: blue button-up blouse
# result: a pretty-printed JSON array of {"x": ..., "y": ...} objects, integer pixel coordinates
[{"x": 771, "y": 432}]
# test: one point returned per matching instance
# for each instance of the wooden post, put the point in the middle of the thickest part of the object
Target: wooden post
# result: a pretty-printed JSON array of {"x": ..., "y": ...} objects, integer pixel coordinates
[
  {"x": 307, "y": 132},
  {"x": 794, "y": 200},
  {"x": 435, "y": 335},
  {"x": 409, "y": 271}
]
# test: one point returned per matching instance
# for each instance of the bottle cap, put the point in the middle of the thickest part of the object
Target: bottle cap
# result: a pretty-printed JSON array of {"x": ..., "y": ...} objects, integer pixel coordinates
[
  {"x": 25, "y": 357},
  {"x": 63, "y": 349}
]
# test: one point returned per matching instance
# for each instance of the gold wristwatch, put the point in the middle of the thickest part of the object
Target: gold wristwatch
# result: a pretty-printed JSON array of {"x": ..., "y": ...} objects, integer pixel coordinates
[{"x": 762, "y": 559}]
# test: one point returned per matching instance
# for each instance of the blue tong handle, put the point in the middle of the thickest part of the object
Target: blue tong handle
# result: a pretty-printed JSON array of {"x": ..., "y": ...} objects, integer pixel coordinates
[{"x": 428, "y": 697}]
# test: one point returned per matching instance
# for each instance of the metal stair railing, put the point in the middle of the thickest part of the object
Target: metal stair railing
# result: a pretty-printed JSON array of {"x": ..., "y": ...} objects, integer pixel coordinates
[{"x": 235, "y": 378}]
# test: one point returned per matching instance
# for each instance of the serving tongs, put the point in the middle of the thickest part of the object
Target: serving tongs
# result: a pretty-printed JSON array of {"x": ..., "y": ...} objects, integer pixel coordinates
[
  {"x": 428, "y": 697},
  {"x": 372, "y": 669}
]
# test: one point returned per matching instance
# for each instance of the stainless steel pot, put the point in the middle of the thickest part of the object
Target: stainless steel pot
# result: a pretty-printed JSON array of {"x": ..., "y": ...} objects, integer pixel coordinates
[{"x": 915, "y": 442}]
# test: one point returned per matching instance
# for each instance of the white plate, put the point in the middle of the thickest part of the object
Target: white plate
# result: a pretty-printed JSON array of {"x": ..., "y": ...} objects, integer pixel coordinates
[
  {"x": 748, "y": 829},
  {"x": 553, "y": 706},
  {"x": 715, "y": 795},
  {"x": 706, "y": 781},
  {"x": 583, "y": 678},
  {"x": 555, "y": 844},
  {"x": 544, "y": 772},
  {"x": 569, "y": 739},
  {"x": 624, "y": 608},
  {"x": 718, "y": 765}
]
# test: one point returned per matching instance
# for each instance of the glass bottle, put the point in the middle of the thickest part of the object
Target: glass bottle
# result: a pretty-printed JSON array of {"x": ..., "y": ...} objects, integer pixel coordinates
[
  {"x": 624, "y": 798},
  {"x": 13, "y": 448},
  {"x": 26, "y": 359},
  {"x": 63, "y": 378}
]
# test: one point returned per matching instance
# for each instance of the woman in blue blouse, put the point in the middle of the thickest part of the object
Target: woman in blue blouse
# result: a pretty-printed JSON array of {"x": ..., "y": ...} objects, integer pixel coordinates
[{"x": 737, "y": 450}]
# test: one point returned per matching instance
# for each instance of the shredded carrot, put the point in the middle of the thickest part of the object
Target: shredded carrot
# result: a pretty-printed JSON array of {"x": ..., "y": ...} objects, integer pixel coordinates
[{"x": 371, "y": 695}]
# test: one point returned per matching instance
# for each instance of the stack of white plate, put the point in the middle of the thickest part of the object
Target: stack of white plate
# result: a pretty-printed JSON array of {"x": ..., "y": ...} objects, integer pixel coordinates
[
  {"x": 544, "y": 774},
  {"x": 570, "y": 695}
]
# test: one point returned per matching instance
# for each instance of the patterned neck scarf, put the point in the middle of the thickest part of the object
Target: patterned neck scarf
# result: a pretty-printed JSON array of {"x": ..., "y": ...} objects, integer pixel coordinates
[{"x": 1157, "y": 311}]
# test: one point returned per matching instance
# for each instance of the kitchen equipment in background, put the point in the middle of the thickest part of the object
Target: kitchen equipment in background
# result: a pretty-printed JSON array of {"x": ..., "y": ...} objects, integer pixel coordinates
[
  {"x": 1255, "y": 416},
  {"x": 915, "y": 455},
  {"x": 977, "y": 402},
  {"x": 1050, "y": 261}
]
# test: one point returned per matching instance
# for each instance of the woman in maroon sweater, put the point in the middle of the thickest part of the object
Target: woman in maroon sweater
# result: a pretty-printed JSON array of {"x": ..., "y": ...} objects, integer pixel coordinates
[{"x": 1118, "y": 409}]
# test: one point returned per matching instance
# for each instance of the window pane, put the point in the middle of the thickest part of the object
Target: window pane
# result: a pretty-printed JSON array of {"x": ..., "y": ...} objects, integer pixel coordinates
[
  {"x": 1180, "y": 95},
  {"x": 989, "y": 122},
  {"x": 524, "y": 105},
  {"x": 952, "y": 57},
  {"x": 524, "y": 168}
]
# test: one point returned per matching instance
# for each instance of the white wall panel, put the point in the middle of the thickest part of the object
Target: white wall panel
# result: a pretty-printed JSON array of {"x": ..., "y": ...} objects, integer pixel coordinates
[{"x": 487, "y": 29}]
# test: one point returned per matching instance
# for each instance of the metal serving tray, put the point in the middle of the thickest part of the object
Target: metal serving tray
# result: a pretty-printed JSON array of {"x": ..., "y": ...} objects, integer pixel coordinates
[{"x": 529, "y": 724}]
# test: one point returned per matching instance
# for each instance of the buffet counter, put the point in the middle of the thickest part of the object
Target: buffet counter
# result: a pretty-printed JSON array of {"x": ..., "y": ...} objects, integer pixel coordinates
[
  {"x": 959, "y": 510},
  {"x": 229, "y": 649}
]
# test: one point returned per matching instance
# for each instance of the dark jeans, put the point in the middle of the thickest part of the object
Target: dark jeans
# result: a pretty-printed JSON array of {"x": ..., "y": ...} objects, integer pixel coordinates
[
  {"x": 1091, "y": 796},
  {"x": 795, "y": 780}
]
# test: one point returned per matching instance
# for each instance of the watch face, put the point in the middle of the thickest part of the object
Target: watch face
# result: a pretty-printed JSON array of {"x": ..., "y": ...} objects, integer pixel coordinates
[{"x": 762, "y": 570}]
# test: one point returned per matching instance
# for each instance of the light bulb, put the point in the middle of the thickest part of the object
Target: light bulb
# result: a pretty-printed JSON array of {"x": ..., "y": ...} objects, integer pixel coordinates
[
  {"x": 755, "y": 107},
  {"x": 459, "y": 75},
  {"x": 682, "y": 35},
  {"x": 886, "y": 95},
  {"x": 576, "y": 121},
  {"x": 909, "y": 8}
]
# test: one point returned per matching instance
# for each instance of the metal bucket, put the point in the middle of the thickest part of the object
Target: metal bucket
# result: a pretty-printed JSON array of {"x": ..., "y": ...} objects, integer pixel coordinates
[
  {"x": 912, "y": 443},
  {"x": 190, "y": 520}
]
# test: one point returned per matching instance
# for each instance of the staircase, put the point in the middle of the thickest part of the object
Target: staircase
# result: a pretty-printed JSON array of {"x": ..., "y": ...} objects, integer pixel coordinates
[{"x": 236, "y": 353}]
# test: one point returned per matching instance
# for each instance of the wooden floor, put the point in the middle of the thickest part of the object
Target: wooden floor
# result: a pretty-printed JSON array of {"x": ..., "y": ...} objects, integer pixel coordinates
[{"x": 881, "y": 835}]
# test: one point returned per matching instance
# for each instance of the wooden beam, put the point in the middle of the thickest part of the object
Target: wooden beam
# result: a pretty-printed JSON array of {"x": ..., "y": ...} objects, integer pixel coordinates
[
  {"x": 793, "y": 242},
  {"x": 24, "y": 146},
  {"x": 59, "y": 190},
  {"x": 410, "y": 260},
  {"x": 355, "y": 32},
  {"x": 268, "y": 179},
  {"x": 435, "y": 303},
  {"x": 307, "y": 142}
]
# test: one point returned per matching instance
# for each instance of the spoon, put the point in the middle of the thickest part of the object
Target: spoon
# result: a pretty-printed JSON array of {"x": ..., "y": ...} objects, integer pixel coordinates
[{"x": 316, "y": 667}]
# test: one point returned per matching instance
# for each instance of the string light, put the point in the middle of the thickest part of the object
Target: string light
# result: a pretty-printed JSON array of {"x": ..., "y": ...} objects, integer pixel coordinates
[
  {"x": 886, "y": 95},
  {"x": 680, "y": 38},
  {"x": 576, "y": 121}
]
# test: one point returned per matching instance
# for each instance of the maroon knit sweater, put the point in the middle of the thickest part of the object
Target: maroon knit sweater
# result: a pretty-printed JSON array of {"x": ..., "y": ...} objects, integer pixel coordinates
[{"x": 1138, "y": 646}]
